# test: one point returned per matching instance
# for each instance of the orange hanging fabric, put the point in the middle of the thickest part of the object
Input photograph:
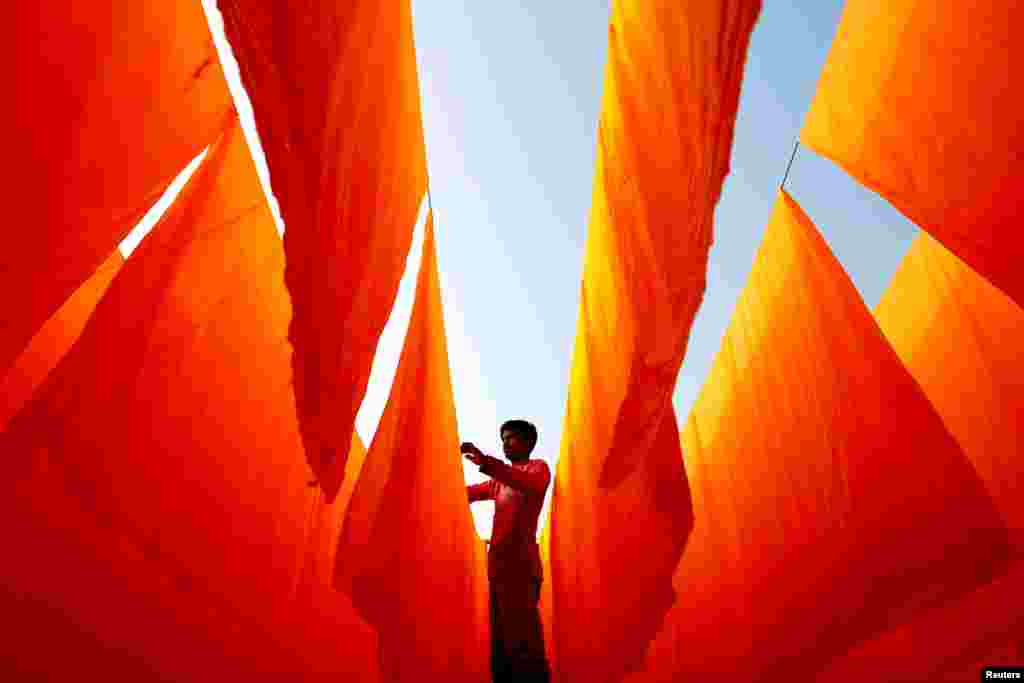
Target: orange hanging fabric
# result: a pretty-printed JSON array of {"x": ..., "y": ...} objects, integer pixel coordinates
[
  {"x": 110, "y": 101},
  {"x": 335, "y": 94},
  {"x": 831, "y": 503},
  {"x": 914, "y": 103},
  {"x": 663, "y": 152},
  {"x": 321, "y": 615},
  {"x": 316, "y": 580},
  {"x": 409, "y": 555},
  {"x": 53, "y": 340},
  {"x": 951, "y": 642},
  {"x": 963, "y": 340},
  {"x": 162, "y": 460}
]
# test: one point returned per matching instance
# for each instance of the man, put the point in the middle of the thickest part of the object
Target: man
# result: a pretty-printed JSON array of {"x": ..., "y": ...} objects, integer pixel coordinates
[{"x": 513, "y": 558}]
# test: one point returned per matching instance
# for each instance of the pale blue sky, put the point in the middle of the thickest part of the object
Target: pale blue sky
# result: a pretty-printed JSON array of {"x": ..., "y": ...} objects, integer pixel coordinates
[{"x": 511, "y": 95}]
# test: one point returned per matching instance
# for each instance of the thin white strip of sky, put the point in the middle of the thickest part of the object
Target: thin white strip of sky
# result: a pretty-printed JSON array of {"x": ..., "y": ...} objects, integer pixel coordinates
[
  {"x": 242, "y": 105},
  {"x": 156, "y": 212},
  {"x": 389, "y": 348}
]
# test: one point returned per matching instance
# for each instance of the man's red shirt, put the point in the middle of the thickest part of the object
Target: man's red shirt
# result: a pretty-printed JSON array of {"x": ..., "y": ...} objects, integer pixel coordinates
[{"x": 517, "y": 490}]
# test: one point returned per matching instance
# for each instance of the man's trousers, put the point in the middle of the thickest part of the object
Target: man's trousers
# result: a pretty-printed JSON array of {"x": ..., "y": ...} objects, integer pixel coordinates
[{"x": 517, "y": 637}]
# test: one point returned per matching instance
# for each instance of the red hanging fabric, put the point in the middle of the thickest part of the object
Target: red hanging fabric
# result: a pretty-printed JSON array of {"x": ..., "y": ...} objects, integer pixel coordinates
[
  {"x": 951, "y": 642},
  {"x": 53, "y": 340},
  {"x": 960, "y": 337},
  {"x": 158, "y": 493},
  {"x": 963, "y": 339},
  {"x": 110, "y": 101},
  {"x": 831, "y": 502},
  {"x": 335, "y": 94},
  {"x": 409, "y": 555}
]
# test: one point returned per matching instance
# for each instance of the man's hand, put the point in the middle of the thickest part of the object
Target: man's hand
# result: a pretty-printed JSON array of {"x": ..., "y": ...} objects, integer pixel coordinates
[{"x": 472, "y": 453}]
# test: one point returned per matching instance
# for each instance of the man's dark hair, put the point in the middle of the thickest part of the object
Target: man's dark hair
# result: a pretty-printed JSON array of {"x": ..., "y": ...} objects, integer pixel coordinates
[{"x": 522, "y": 428}]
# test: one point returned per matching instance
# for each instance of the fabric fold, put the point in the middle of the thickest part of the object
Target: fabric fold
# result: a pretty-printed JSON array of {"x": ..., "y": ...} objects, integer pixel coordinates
[
  {"x": 110, "y": 101},
  {"x": 408, "y": 553},
  {"x": 831, "y": 501},
  {"x": 960, "y": 337},
  {"x": 348, "y": 167},
  {"x": 963, "y": 340},
  {"x": 664, "y": 142},
  {"x": 161, "y": 460},
  {"x": 53, "y": 340}
]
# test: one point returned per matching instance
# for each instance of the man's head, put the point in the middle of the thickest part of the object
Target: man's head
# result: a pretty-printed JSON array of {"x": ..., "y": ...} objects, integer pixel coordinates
[{"x": 518, "y": 437}]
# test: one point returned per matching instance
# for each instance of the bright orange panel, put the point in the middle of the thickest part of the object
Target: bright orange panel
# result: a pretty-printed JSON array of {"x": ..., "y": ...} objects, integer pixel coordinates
[
  {"x": 53, "y": 340},
  {"x": 951, "y": 642},
  {"x": 316, "y": 578},
  {"x": 107, "y": 102},
  {"x": 831, "y": 503},
  {"x": 915, "y": 102},
  {"x": 409, "y": 555},
  {"x": 663, "y": 152},
  {"x": 963, "y": 340},
  {"x": 335, "y": 94},
  {"x": 161, "y": 459}
]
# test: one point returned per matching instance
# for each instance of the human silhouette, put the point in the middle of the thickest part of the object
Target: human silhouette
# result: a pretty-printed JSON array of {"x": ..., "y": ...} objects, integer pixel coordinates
[{"x": 513, "y": 557}]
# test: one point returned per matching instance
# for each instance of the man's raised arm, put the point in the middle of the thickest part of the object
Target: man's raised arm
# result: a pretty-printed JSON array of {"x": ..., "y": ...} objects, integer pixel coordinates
[{"x": 534, "y": 478}]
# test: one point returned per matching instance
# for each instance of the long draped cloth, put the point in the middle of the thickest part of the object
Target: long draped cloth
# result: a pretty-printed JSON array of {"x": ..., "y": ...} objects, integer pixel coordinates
[
  {"x": 158, "y": 493},
  {"x": 960, "y": 337},
  {"x": 831, "y": 501},
  {"x": 107, "y": 102},
  {"x": 408, "y": 553},
  {"x": 963, "y": 340},
  {"x": 335, "y": 95},
  {"x": 663, "y": 152}
]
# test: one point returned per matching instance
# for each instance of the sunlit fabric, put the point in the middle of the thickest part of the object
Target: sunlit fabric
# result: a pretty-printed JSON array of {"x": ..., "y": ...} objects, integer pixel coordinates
[
  {"x": 664, "y": 144},
  {"x": 948, "y": 643},
  {"x": 546, "y": 596},
  {"x": 960, "y": 337},
  {"x": 107, "y": 101},
  {"x": 335, "y": 95},
  {"x": 963, "y": 340},
  {"x": 53, "y": 340},
  {"x": 663, "y": 152},
  {"x": 409, "y": 555},
  {"x": 316, "y": 576},
  {"x": 831, "y": 503},
  {"x": 157, "y": 491},
  {"x": 915, "y": 102}
]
